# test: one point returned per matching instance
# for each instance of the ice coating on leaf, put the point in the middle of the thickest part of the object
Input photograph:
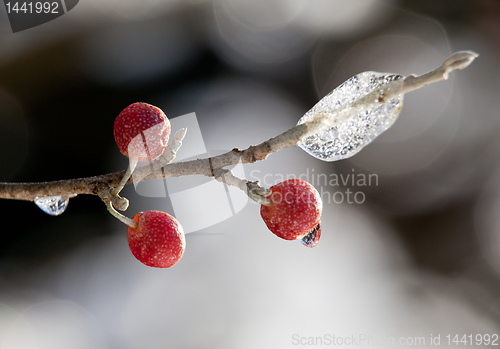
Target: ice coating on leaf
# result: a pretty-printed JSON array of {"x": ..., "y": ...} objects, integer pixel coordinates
[
  {"x": 53, "y": 205},
  {"x": 361, "y": 126}
]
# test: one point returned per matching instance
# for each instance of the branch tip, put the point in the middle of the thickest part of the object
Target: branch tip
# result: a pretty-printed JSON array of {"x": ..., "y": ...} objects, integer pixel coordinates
[
  {"x": 181, "y": 133},
  {"x": 458, "y": 61}
]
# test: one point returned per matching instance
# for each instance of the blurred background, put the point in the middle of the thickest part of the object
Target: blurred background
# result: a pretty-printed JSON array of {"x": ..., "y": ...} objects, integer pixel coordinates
[{"x": 416, "y": 257}]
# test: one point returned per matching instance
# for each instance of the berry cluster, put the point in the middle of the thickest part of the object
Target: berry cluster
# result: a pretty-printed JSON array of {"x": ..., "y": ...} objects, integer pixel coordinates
[{"x": 156, "y": 238}]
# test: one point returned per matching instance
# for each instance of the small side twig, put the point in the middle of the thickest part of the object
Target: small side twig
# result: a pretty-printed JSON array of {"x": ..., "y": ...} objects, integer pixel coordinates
[
  {"x": 166, "y": 158},
  {"x": 252, "y": 189}
]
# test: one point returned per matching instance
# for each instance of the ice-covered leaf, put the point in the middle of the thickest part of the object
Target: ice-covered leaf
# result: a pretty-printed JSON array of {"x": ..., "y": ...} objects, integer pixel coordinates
[{"x": 354, "y": 125}]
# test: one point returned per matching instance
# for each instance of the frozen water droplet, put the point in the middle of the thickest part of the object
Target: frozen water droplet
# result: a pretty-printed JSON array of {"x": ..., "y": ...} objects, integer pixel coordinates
[
  {"x": 311, "y": 239},
  {"x": 53, "y": 205},
  {"x": 352, "y": 131}
]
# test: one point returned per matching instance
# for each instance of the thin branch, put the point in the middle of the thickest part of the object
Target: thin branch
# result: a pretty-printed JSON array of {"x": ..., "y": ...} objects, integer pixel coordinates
[
  {"x": 99, "y": 185},
  {"x": 214, "y": 167},
  {"x": 457, "y": 61},
  {"x": 252, "y": 189}
]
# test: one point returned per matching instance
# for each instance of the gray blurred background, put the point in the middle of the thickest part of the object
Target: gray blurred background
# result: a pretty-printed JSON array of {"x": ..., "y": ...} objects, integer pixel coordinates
[{"x": 418, "y": 258}]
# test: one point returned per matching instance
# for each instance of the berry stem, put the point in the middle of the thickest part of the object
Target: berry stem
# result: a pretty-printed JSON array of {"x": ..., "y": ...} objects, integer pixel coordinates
[
  {"x": 165, "y": 158},
  {"x": 130, "y": 222},
  {"x": 132, "y": 164}
]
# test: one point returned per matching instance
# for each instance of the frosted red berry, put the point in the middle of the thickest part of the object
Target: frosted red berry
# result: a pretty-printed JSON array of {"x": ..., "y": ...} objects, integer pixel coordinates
[
  {"x": 141, "y": 131},
  {"x": 158, "y": 241},
  {"x": 294, "y": 212}
]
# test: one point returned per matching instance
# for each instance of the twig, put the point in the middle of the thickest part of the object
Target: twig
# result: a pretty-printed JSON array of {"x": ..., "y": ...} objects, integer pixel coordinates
[
  {"x": 100, "y": 185},
  {"x": 214, "y": 166},
  {"x": 252, "y": 189}
]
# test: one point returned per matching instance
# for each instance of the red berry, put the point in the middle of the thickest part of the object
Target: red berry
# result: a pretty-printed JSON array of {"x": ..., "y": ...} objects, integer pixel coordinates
[
  {"x": 141, "y": 131},
  {"x": 295, "y": 209},
  {"x": 158, "y": 241}
]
